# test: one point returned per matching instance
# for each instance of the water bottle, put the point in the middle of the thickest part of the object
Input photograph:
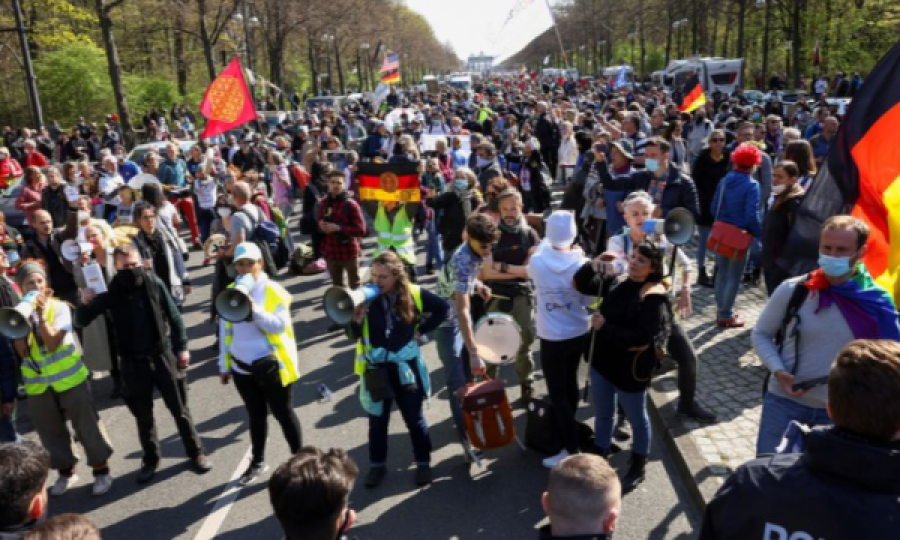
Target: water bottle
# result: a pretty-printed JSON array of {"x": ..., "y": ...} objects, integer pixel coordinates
[{"x": 324, "y": 393}]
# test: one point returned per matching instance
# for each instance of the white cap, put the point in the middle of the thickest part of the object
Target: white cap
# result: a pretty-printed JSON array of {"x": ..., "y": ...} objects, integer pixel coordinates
[
  {"x": 247, "y": 250},
  {"x": 561, "y": 229}
]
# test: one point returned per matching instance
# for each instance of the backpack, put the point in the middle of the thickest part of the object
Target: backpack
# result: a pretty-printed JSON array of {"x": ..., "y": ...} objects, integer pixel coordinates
[
  {"x": 265, "y": 234},
  {"x": 791, "y": 314},
  {"x": 487, "y": 414}
]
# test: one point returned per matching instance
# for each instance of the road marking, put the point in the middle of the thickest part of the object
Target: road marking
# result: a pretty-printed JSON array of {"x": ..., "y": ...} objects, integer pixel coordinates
[{"x": 216, "y": 518}]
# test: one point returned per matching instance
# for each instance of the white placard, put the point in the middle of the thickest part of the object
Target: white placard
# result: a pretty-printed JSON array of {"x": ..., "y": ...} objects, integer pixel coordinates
[
  {"x": 427, "y": 142},
  {"x": 71, "y": 194},
  {"x": 93, "y": 276}
]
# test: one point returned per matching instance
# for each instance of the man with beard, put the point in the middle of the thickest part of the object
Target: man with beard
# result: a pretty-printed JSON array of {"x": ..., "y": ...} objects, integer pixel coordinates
[
  {"x": 341, "y": 220},
  {"x": 141, "y": 308},
  {"x": 507, "y": 276}
]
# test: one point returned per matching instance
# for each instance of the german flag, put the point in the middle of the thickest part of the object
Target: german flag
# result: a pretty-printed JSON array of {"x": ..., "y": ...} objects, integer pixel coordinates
[
  {"x": 391, "y": 77},
  {"x": 694, "y": 98},
  {"x": 389, "y": 182},
  {"x": 860, "y": 176}
]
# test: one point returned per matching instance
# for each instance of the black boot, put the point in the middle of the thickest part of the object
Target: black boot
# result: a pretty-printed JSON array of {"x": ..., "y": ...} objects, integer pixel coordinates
[
  {"x": 703, "y": 279},
  {"x": 620, "y": 433},
  {"x": 635, "y": 474}
]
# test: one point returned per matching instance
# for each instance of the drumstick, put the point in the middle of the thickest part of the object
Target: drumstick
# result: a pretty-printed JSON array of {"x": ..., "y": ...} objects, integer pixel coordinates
[{"x": 498, "y": 297}]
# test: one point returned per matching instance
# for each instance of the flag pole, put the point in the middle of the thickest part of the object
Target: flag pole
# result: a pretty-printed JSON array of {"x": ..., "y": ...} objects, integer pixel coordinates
[{"x": 558, "y": 37}]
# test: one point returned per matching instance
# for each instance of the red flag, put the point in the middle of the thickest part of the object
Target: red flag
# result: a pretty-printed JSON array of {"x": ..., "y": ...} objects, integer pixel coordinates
[
  {"x": 227, "y": 103},
  {"x": 817, "y": 55}
]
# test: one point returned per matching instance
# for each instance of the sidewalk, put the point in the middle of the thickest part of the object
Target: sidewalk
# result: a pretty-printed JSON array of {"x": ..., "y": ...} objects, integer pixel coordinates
[{"x": 729, "y": 383}]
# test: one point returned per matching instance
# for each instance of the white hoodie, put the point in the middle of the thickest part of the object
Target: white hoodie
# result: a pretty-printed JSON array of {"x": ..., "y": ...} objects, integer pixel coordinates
[{"x": 561, "y": 310}]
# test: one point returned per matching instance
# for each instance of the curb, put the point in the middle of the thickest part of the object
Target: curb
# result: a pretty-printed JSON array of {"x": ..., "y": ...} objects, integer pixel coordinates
[{"x": 699, "y": 480}]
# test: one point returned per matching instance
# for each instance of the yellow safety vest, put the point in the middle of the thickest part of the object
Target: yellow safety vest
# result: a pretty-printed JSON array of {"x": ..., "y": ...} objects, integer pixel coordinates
[
  {"x": 284, "y": 346},
  {"x": 396, "y": 235},
  {"x": 363, "y": 345},
  {"x": 61, "y": 370}
]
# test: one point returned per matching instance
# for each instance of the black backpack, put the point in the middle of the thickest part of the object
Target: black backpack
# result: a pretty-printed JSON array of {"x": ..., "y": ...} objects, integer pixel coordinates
[{"x": 791, "y": 314}]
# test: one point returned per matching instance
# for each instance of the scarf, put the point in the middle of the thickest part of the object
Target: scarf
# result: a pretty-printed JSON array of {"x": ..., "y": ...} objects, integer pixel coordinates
[
  {"x": 467, "y": 200},
  {"x": 512, "y": 229},
  {"x": 868, "y": 309}
]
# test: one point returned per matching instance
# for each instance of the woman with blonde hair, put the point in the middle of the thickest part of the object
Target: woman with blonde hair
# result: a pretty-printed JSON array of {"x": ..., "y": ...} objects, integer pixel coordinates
[
  {"x": 390, "y": 365},
  {"x": 96, "y": 338}
]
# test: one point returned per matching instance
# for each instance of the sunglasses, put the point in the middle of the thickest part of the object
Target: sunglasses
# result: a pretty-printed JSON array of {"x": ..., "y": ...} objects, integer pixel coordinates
[{"x": 717, "y": 140}]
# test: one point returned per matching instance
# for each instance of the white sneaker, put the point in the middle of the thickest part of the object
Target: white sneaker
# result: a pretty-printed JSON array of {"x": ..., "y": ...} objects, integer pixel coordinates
[
  {"x": 553, "y": 461},
  {"x": 102, "y": 483},
  {"x": 62, "y": 484}
]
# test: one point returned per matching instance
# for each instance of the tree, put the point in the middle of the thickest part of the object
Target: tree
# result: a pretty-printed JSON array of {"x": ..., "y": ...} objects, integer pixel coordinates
[{"x": 115, "y": 70}]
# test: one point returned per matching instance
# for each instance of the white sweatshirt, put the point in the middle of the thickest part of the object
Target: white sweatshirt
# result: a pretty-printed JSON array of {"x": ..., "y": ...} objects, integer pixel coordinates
[{"x": 561, "y": 310}]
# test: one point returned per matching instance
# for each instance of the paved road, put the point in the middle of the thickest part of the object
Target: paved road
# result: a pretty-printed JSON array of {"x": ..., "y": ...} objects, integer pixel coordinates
[{"x": 499, "y": 501}]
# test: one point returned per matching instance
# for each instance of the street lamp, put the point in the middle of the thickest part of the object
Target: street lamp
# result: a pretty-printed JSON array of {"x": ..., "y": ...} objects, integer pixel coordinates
[{"x": 677, "y": 25}]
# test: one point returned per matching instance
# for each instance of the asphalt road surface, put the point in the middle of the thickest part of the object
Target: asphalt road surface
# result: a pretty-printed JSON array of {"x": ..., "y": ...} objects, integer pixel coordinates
[{"x": 499, "y": 501}]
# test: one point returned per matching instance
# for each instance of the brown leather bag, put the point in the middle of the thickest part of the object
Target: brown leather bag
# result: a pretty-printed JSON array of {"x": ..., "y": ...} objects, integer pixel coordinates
[{"x": 487, "y": 414}]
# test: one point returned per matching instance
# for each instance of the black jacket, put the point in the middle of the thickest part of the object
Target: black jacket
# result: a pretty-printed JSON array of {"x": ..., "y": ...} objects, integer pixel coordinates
[
  {"x": 54, "y": 201},
  {"x": 545, "y": 533},
  {"x": 840, "y": 487},
  {"x": 540, "y": 191},
  {"x": 453, "y": 218},
  {"x": 134, "y": 321},
  {"x": 778, "y": 224},
  {"x": 547, "y": 133},
  {"x": 680, "y": 190},
  {"x": 637, "y": 321},
  {"x": 707, "y": 173}
]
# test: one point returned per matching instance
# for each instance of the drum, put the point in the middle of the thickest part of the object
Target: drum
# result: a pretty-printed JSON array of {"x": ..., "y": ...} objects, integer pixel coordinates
[
  {"x": 498, "y": 338},
  {"x": 213, "y": 243}
]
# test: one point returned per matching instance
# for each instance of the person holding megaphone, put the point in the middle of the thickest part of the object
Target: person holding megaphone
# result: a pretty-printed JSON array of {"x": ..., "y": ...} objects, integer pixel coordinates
[
  {"x": 56, "y": 380},
  {"x": 638, "y": 207},
  {"x": 258, "y": 350},
  {"x": 389, "y": 364}
]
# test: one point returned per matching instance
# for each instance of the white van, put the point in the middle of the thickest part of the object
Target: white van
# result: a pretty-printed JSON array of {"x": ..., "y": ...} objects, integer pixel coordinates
[
  {"x": 722, "y": 74},
  {"x": 461, "y": 82}
]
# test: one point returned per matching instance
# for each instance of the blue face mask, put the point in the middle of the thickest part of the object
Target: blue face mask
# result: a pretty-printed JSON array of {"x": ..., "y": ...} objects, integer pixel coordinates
[
  {"x": 651, "y": 164},
  {"x": 834, "y": 266},
  {"x": 460, "y": 185}
]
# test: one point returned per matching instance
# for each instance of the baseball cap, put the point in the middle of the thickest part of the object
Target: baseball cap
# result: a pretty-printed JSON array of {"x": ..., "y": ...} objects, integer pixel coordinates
[{"x": 247, "y": 250}]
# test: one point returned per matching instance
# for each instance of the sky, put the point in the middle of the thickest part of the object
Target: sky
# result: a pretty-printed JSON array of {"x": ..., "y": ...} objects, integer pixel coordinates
[{"x": 466, "y": 24}]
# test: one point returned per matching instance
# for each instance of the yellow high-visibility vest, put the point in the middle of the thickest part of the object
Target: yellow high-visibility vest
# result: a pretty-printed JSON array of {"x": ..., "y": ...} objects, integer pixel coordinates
[{"x": 61, "y": 369}]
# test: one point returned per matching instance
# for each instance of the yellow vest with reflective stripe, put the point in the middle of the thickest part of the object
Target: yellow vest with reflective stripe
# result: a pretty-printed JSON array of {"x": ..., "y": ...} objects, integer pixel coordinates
[
  {"x": 396, "y": 235},
  {"x": 61, "y": 370},
  {"x": 284, "y": 346},
  {"x": 363, "y": 345}
]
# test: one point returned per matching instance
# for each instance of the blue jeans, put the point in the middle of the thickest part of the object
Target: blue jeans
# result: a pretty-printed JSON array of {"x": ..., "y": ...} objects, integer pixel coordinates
[
  {"x": 753, "y": 261},
  {"x": 434, "y": 257},
  {"x": 8, "y": 428},
  {"x": 728, "y": 280},
  {"x": 409, "y": 401},
  {"x": 455, "y": 359},
  {"x": 604, "y": 394},
  {"x": 205, "y": 217},
  {"x": 702, "y": 237},
  {"x": 777, "y": 413}
]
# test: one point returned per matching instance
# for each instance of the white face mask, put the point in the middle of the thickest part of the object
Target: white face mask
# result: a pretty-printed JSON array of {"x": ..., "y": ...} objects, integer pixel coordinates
[
  {"x": 778, "y": 190},
  {"x": 223, "y": 211}
]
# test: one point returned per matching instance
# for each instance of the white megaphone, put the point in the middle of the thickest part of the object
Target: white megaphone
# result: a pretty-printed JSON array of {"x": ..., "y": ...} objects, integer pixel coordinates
[
  {"x": 71, "y": 250},
  {"x": 678, "y": 226},
  {"x": 340, "y": 303},
  {"x": 15, "y": 322},
  {"x": 233, "y": 304}
]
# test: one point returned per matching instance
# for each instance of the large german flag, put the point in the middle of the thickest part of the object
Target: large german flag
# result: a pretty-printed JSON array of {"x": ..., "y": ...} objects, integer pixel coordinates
[
  {"x": 389, "y": 182},
  {"x": 694, "y": 98},
  {"x": 860, "y": 176}
]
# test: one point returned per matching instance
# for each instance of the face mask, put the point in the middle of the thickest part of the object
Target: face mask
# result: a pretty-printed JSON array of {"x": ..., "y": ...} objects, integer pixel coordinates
[
  {"x": 651, "y": 164},
  {"x": 483, "y": 162},
  {"x": 223, "y": 211},
  {"x": 756, "y": 117},
  {"x": 834, "y": 266},
  {"x": 460, "y": 185},
  {"x": 778, "y": 190},
  {"x": 130, "y": 278},
  {"x": 120, "y": 157},
  {"x": 435, "y": 123}
]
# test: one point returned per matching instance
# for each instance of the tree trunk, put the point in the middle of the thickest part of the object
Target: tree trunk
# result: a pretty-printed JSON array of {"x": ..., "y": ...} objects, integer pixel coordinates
[
  {"x": 796, "y": 43},
  {"x": 741, "y": 23},
  {"x": 765, "y": 47},
  {"x": 276, "y": 64},
  {"x": 206, "y": 41},
  {"x": 340, "y": 68},
  {"x": 669, "y": 39},
  {"x": 178, "y": 43},
  {"x": 115, "y": 72},
  {"x": 312, "y": 68}
]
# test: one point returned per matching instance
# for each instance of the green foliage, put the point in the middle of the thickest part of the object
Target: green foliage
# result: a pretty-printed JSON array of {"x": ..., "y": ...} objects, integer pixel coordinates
[
  {"x": 59, "y": 23},
  {"x": 147, "y": 92},
  {"x": 73, "y": 81}
]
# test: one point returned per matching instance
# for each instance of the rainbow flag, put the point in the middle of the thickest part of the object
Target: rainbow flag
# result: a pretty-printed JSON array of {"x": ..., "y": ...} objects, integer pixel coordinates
[{"x": 860, "y": 176}]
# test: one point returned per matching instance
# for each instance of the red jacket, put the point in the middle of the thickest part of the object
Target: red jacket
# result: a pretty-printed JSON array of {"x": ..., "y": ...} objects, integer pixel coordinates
[
  {"x": 9, "y": 170},
  {"x": 36, "y": 159}
]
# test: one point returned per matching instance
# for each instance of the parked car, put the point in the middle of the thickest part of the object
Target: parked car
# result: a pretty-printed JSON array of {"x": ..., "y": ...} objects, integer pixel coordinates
[
  {"x": 14, "y": 216},
  {"x": 138, "y": 152}
]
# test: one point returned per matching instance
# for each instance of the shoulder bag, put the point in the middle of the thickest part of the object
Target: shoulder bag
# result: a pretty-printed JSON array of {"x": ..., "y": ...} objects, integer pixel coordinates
[{"x": 725, "y": 239}]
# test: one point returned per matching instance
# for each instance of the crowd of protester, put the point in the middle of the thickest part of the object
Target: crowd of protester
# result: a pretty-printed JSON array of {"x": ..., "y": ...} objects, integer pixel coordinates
[{"x": 489, "y": 163}]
